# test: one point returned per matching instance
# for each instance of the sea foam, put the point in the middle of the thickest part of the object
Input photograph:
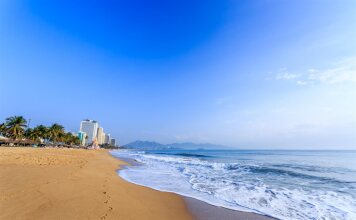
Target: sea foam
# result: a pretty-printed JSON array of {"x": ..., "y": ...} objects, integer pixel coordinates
[{"x": 282, "y": 190}]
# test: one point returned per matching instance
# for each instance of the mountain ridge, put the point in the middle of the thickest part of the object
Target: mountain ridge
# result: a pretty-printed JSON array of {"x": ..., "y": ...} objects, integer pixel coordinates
[{"x": 139, "y": 144}]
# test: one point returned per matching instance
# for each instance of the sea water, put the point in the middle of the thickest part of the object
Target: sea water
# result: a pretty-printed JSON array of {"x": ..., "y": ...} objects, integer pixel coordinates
[{"x": 281, "y": 184}]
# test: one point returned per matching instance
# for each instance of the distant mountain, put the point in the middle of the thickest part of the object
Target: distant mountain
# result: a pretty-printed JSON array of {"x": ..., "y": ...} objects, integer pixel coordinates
[
  {"x": 143, "y": 145},
  {"x": 194, "y": 145},
  {"x": 155, "y": 145}
]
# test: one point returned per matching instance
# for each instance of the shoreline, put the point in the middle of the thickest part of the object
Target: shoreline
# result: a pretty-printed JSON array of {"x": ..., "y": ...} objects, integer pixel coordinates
[
  {"x": 47, "y": 183},
  {"x": 40, "y": 183},
  {"x": 200, "y": 209}
]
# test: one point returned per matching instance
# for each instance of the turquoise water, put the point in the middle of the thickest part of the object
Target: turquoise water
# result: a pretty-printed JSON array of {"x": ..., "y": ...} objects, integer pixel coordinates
[{"x": 282, "y": 184}]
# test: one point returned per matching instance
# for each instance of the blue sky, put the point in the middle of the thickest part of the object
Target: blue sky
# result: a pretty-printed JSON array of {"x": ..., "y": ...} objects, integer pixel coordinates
[{"x": 248, "y": 74}]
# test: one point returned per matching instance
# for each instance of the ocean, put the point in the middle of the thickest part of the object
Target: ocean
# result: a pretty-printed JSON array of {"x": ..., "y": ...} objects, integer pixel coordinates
[{"x": 283, "y": 184}]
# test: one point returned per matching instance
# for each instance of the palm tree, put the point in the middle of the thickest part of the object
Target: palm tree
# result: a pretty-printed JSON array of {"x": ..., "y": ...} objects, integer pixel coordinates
[
  {"x": 2, "y": 129},
  {"x": 76, "y": 140},
  {"x": 32, "y": 134},
  {"x": 15, "y": 126},
  {"x": 56, "y": 132},
  {"x": 68, "y": 138},
  {"x": 42, "y": 131}
]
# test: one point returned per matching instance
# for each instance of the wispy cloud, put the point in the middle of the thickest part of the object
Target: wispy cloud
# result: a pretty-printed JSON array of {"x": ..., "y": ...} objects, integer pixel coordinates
[
  {"x": 284, "y": 74},
  {"x": 302, "y": 83},
  {"x": 343, "y": 71},
  {"x": 340, "y": 72}
]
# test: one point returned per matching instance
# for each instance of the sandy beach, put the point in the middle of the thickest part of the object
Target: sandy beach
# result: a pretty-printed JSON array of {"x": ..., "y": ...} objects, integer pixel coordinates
[
  {"x": 76, "y": 184},
  {"x": 40, "y": 183}
]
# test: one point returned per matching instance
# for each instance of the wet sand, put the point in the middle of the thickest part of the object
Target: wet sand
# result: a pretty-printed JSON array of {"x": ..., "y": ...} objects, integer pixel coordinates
[{"x": 204, "y": 211}]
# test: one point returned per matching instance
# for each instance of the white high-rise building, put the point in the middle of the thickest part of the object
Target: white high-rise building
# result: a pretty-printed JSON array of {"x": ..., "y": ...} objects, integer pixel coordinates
[
  {"x": 101, "y": 136},
  {"x": 107, "y": 139},
  {"x": 112, "y": 141},
  {"x": 90, "y": 127}
]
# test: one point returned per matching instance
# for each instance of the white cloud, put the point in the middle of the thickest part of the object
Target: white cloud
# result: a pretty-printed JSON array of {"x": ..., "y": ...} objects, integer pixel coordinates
[
  {"x": 312, "y": 70},
  {"x": 343, "y": 71},
  {"x": 302, "y": 83},
  {"x": 339, "y": 72},
  {"x": 285, "y": 75}
]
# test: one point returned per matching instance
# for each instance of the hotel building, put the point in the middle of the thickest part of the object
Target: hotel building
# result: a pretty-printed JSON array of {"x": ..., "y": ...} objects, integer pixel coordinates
[
  {"x": 101, "y": 136},
  {"x": 107, "y": 139},
  {"x": 90, "y": 127},
  {"x": 112, "y": 141},
  {"x": 82, "y": 136}
]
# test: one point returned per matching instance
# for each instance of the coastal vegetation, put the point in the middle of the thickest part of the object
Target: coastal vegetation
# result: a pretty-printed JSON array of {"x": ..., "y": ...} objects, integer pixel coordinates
[{"x": 17, "y": 129}]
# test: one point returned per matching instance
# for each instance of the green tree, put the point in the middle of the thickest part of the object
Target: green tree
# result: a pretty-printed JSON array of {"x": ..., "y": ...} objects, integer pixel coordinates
[
  {"x": 43, "y": 132},
  {"x": 56, "y": 133},
  {"x": 76, "y": 140},
  {"x": 15, "y": 127},
  {"x": 33, "y": 134},
  {"x": 67, "y": 138},
  {"x": 2, "y": 129},
  {"x": 70, "y": 139},
  {"x": 30, "y": 134}
]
